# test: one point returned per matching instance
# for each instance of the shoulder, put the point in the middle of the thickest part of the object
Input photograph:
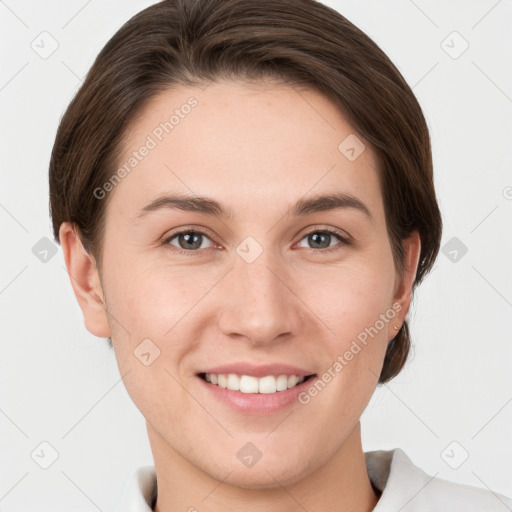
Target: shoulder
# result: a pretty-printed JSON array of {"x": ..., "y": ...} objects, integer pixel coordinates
[
  {"x": 407, "y": 488},
  {"x": 140, "y": 491}
]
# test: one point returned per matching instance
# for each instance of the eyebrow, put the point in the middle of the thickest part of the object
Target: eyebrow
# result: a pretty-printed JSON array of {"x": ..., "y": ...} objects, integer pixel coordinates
[{"x": 208, "y": 206}]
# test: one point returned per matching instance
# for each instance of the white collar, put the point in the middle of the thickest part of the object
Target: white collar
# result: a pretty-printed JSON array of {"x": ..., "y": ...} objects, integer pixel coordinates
[{"x": 404, "y": 487}]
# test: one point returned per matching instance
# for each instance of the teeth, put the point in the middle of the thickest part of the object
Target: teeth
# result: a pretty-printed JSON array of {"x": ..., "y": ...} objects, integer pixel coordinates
[{"x": 250, "y": 384}]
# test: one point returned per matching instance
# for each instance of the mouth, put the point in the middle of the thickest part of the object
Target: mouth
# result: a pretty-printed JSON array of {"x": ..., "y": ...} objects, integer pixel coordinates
[{"x": 249, "y": 384}]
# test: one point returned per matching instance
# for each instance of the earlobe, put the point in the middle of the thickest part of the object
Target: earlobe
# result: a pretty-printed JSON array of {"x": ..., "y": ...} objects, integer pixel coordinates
[{"x": 84, "y": 278}]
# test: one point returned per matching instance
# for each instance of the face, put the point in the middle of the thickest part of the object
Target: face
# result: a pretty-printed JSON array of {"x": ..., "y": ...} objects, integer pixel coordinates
[{"x": 265, "y": 282}]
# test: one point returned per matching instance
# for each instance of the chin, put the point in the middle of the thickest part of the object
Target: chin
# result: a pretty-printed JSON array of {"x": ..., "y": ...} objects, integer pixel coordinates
[{"x": 272, "y": 473}]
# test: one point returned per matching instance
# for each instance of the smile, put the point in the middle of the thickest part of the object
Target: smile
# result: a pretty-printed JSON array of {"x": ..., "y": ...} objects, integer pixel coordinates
[{"x": 249, "y": 384}]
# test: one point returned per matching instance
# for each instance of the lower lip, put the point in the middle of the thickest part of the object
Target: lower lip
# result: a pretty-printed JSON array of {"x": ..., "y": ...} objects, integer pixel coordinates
[{"x": 258, "y": 403}]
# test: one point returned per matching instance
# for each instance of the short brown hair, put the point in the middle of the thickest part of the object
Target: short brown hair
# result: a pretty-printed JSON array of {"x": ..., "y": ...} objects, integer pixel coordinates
[{"x": 302, "y": 43}]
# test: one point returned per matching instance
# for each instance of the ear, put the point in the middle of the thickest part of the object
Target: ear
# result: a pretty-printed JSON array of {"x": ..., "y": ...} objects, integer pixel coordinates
[
  {"x": 85, "y": 281},
  {"x": 403, "y": 285}
]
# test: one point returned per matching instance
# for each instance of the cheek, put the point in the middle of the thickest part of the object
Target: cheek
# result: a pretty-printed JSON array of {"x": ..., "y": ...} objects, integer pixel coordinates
[
  {"x": 149, "y": 300},
  {"x": 354, "y": 302},
  {"x": 349, "y": 298},
  {"x": 149, "y": 332},
  {"x": 165, "y": 304},
  {"x": 163, "y": 299}
]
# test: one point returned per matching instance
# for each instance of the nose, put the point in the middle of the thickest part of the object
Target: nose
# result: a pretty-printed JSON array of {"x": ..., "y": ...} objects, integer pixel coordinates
[{"x": 260, "y": 304}]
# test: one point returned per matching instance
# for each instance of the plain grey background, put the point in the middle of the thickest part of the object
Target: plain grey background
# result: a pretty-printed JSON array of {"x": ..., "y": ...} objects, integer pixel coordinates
[{"x": 451, "y": 407}]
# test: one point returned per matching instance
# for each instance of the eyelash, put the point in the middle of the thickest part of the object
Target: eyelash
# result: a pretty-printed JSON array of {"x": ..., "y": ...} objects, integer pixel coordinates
[{"x": 336, "y": 233}]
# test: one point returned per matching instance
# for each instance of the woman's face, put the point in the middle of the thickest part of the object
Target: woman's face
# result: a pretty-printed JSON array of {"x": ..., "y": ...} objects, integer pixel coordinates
[{"x": 262, "y": 284}]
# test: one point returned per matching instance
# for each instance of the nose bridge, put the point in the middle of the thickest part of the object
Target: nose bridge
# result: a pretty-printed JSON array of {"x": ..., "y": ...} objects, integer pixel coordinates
[{"x": 260, "y": 305}]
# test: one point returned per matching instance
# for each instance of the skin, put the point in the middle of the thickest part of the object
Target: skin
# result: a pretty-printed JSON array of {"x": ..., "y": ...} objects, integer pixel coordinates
[{"x": 257, "y": 151}]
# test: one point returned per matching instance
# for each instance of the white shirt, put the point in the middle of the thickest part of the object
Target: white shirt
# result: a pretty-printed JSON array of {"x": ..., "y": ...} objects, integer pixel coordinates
[{"x": 404, "y": 486}]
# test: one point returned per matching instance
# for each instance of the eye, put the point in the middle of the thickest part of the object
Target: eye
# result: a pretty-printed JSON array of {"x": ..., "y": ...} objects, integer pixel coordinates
[
  {"x": 191, "y": 240},
  {"x": 324, "y": 236},
  {"x": 188, "y": 241}
]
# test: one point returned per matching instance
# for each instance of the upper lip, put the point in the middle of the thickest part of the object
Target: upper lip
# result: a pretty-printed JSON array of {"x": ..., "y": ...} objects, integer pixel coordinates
[{"x": 258, "y": 370}]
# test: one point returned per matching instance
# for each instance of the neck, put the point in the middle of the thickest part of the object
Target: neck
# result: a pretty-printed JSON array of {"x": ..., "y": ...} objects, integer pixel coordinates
[{"x": 340, "y": 485}]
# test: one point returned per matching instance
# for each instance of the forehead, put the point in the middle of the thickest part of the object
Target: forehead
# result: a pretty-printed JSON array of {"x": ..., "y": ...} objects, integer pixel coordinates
[{"x": 255, "y": 149}]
